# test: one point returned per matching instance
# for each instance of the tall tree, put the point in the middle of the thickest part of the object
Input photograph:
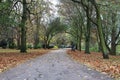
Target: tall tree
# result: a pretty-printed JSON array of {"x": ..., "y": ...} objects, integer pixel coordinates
[
  {"x": 54, "y": 27},
  {"x": 99, "y": 26},
  {"x": 74, "y": 16},
  {"x": 87, "y": 8},
  {"x": 100, "y": 31},
  {"x": 110, "y": 24},
  {"x": 23, "y": 27},
  {"x": 38, "y": 14}
]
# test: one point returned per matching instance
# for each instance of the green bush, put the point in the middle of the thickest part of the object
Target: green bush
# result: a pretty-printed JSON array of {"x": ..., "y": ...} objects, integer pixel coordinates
[
  {"x": 30, "y": 46},
  {"x": 82, "y": 47},
  {"x": 95, "y": 49},
  {"x": 37, "y": 46},
  {"x": 12, "y": 45},
  {"x": 55, "y": 47}
]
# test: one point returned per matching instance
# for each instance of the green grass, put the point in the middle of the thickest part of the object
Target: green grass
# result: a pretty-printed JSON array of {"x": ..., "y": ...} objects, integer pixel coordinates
[
  {"x": 17, "y": 51},
  {"x": 8, "y": 50}
]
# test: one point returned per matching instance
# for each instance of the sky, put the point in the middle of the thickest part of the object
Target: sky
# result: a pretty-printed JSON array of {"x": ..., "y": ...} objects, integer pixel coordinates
[
  {"x": 55, "y": 9},
  {"x": 55, "y": 2}
]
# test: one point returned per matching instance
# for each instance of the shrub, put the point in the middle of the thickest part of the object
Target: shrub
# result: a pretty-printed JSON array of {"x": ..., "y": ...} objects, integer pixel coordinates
[
  {"x": 30, "y": 46},
  {"x": 95, "y": 49},
  {"x": 55, "y": 47},
  {"x": 37, "y": 46},
  {"x": 3, "y": 43}
]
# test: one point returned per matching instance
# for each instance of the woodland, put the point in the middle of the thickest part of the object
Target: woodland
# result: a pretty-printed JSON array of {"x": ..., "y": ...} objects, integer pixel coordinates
[{"x": 92, "y": 25}]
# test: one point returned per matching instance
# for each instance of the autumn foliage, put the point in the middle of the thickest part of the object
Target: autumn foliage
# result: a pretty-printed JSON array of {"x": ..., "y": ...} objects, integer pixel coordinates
[
  {"x": 95, "y": 60},
  {"x": 11, "y": 59}
]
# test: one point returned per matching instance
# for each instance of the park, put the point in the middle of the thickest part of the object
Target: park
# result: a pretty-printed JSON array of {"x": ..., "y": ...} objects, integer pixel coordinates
[{"x": 59, "y": 40}]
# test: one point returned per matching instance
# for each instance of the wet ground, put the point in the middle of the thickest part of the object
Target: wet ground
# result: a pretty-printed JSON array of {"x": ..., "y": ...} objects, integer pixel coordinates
[{"x": 56, "y": 65}]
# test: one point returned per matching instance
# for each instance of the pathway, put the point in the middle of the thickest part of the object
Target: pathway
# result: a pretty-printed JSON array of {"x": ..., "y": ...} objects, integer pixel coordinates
[{"x": 56, "y": 65}]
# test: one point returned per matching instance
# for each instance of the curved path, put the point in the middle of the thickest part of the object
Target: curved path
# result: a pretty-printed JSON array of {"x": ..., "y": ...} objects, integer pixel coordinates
[{"x": 56, "y": 65}]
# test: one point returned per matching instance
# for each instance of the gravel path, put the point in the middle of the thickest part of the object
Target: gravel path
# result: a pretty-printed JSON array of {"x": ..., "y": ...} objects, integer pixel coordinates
[{"x": 56, "y": 65}]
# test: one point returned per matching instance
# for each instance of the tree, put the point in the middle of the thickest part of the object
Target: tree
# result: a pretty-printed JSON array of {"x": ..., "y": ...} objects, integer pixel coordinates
[
  {"x": 23, "y": 27},
  {"x": 54, "y": 27},
  {"x": 99, "y": 26},
  {"x": 38, "y": 11},
  {"x": 100, "y": 31},
  {"x": 7, "y": 22},
  {"x": 73, "y": 14},
  {"x": 109, "y": 19},
  {"x": 87, "y": 7}
]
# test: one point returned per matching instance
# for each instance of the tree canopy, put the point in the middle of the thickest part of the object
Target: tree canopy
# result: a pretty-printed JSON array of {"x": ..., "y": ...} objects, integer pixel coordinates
[{"x": 89, "y": 23}]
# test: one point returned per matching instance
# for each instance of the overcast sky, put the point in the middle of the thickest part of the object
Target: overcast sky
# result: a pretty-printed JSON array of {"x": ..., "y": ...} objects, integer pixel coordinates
[
  {"x": 55, "y": 9},
  {"x": 54, "y": 1}
]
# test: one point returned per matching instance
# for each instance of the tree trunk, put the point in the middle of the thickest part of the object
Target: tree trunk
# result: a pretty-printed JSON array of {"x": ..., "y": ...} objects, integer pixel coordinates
[
  {"x": 100, "y": 31},
  {"x": 37, "y": 34},
  {"x": 45, "y": 42},
  {"x": 113, "y": 42},
  {"x": 77, "y": 37},
  {"x": 23, "y": 28},
  {"x": 18, "y": 38},
  {"x": 80, "y": 37},
  {"x": 101, "y": 36},
  {"x": 18, "y": 42},
  {"x": 113, "y": 35},
  {"x": 87, "y": 34},
  {"x": 80, "y": 44}
]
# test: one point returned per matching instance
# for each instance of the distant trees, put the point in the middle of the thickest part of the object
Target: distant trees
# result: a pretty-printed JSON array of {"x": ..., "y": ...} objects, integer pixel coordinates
[
  {"x": 74, "y": 18},
  {"x": 23, "y": 19},
  {"x": 39, "y": 8},
  {"x": 54, "y": 27},
  {"x": 7, "y": 22}
]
